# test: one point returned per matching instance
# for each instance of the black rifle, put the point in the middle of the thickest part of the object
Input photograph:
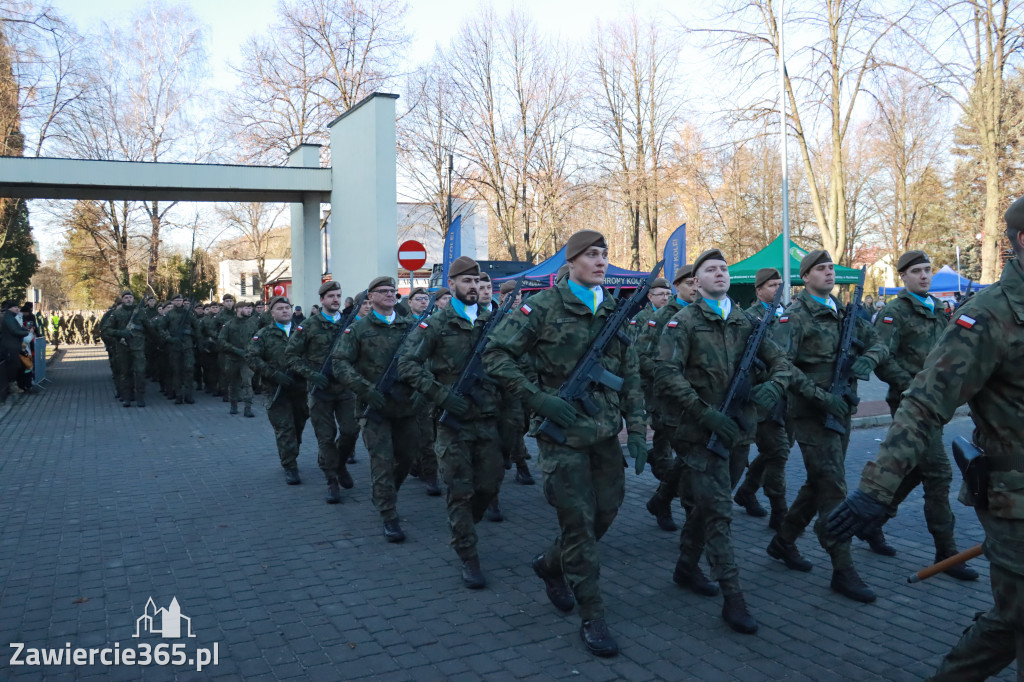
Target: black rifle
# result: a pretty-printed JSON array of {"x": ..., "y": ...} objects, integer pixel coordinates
[
  {"x": 738, "y": 395},
  {"x": 588, "y": 370},
  {"x": 386, "y": 384},
  {"x": 131, "y": 321},
  {"x": 966, "y": 295},
  {"x": 473, "y": 371},
  {"x": 343, "y": 324},
  {"x": 843, "y": 385}
]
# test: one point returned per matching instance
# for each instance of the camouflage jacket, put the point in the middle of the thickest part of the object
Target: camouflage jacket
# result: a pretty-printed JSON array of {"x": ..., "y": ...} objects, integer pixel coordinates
[
  {"x": 265, "y": 354},
  {"x": 698, "y": 354},
  {"x": 307, "y": 349},
  {"x": 364, "y": 353},
  {"x": 909, "y": 330},
  {"x": 436, "y": 353},
  {"x": 637, "y": 324},
  {"x": 185, "y": 330},
  {"x": 104, "y": 326},
  {"x": 118, "y": 327},
  {"x": 978, "y": 360},
  {"x": 209, "y": 329},
  {"x": 234, "y": 336},
  {"x": 646, "y": 343},
  {"x": 808, "y": 332},
  {"x": 555, "y": 328}
]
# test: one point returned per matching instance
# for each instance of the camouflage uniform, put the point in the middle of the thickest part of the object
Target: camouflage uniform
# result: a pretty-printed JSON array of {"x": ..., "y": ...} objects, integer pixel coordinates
[
  {"x": 209, "y": 328},
  {"x": 391, "y": 436},
  {"x": 469, "y": 459},
  {"x": 233, "y": 339},
  {"x": 179, "y": 333},
  {"x": 130, "y": 350},
  {"x": 265, "y": 355},
  {"x": 221, "y": 319},
  {"x": 698, "y": 353},
  {"x": 639, "y": 322},
  {"x": 979, "y": 359},
  {"x": 331, "y": 410},
  {"x": 809, "y": 333},
  {"x": 664, "y": 466},
  {"x": 583, "y": 478},
  {"x": 108, "y": 345}
]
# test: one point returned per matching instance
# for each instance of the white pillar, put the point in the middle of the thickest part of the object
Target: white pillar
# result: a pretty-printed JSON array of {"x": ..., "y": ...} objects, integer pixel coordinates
[
  {"x": 306, "y": 268},
  {"x": 364, "y": 193}
]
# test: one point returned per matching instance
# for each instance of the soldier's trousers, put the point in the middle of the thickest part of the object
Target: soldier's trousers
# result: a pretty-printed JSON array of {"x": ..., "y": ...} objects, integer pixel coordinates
[
  {"x": 586, "y": 487},
  {"x": 512, "y": 426},
  {"x": 288, "y": 417},
  {"x": 705, "y": 490},
  {"x": 469, "y": 462},
  {"x": 131, "y": 371},
  {"x": 334, "y": 423},
  {"x": 427, "y": 462},
  {"x": 824, "y": 453},
  {"x": 211, "y": 371},
  {"x": 238, "y": 379},
  {"x": 997, "y": 636},
  {"x": 182, "y": 360},
  {"x": 769, "y": 467},
  {"x": 392, "y": 443}
]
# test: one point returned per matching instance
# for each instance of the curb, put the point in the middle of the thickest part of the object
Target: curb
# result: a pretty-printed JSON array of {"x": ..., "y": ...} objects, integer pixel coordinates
[{"x": 885, "y": 419}]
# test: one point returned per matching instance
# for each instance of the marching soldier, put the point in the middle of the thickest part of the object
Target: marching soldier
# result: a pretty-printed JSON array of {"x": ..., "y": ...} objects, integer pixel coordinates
[
  {"x": 772, "y": 439},
  {"x": 658, "y": 295},
  {"x": 663, "y": 464},
  {"x": 425, "y": 465},
  {"x": 583, "y": 477},
  {"x": 698, "y": 354},
  {"x": 233, "y": 340},
  {"x": 128, "y": 326},
  {"x": 442, "y": 297},
  {"x": 179, "y": 332},
  {"x": 208, "y": 348},
  {"x": 910, "y": 325},
  {"x": 390, "y": 434},
  {"x": 197, "y": 373},
  {"x": 469, "y": 458},
  {"x": 513, "y": 422},
  {"x": 978, "y": 360},
  {"x": 286, "y": 407},
  {"x": 226, "y": 314},
  {"x": 809, "y": 333},
  {"x": 109, "y": 343},
  {"x": 332, "y": 406}
]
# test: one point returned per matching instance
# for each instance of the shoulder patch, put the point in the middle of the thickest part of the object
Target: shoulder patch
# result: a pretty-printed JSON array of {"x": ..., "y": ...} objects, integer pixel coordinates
[
  {"x": 966, "y": 322},
  {"x": 256, "y": 337},
  {"x": 423, "y": 324},
  {"x": 348, "y": 330},
  {"x": 299, "y": 329},
  {"x": 672, "y": 324},
  {"x": 887, "y": 320},
  {"x": 784, "y": 319},
  {"x": 632, "y": 322},
  {"x": 652, "y": 323},
  {"x": 526, "y": 310}
]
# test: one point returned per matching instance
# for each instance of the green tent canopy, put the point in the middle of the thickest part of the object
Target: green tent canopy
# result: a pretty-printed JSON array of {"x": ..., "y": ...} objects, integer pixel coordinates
[{"x": 770, "y": 256}]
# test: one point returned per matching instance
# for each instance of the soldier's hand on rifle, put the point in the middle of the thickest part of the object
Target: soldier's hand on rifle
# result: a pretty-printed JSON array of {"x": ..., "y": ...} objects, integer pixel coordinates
[
  {"x": 720, "y": 424},
  {"x": 319, "y": 380},
  {"x": 283, "y": 380},
  {"x": 856, "y": 515},
  {"x": 767, "y": 395},
  {"x": 862, "y": 367},
  {"x": 637, "y": 446},
  {"x": 375, "y": 399},
  {"x": 554, "y": 408},
  {"x": 455, "y": 404},
  {"x": 836, "y": 406}
]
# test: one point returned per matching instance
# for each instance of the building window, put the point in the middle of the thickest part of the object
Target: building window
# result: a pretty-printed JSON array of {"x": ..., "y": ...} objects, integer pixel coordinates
[
  {"x": 255, "y": 284},
  {"x": 242, "y": 284}
]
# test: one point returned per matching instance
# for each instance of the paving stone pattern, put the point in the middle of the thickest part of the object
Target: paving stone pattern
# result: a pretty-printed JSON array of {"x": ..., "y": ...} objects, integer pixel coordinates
[{"x": 103, "y": 507}]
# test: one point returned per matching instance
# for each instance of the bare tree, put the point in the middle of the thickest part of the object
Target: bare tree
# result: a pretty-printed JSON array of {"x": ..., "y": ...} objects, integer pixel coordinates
[{"x": 254, "y": 223}]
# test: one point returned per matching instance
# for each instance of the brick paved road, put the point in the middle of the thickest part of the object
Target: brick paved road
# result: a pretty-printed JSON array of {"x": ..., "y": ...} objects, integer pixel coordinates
[{"x": 104, "y": 507}]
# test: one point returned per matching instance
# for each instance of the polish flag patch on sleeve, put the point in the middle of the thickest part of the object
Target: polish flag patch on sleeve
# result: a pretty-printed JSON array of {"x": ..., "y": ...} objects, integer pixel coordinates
[
  {"x": 256, "y": 338},
  {"x": 652, "y": 323},
  {"x": 966, "y": 321},
  {"x": 348, "y": 330},
  {"x": 887, "y": 320},
  {"x": 526, "y": 310},
  {"x": 673, "y": 324},
  {"x": 299, "y": 329},
  {"x": 632, "y": 322},
  {"x": 423, "y": 324},
  {"x": 784, "y": 319}
]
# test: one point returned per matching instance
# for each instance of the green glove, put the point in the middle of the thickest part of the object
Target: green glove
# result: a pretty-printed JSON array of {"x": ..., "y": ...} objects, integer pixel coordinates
[
  {"x": 375, "y": 399},
  {"x": 836, "y": 406},
  {"x": 862, "y": 367},
  {"x": 554, "y": 408},
  {"x": 721, "y": 425},
  {"x": 637, "y": 446},
  {"x": 455, "y": 404},
  {"x": 766, "y": 395},
  {"x": 282, "y": 380},
  {"x": 319, "y": 380}
]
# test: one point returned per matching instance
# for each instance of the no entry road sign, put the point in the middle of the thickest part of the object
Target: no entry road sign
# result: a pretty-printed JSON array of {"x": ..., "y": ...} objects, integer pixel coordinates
[{"x": 412, "y": 255}]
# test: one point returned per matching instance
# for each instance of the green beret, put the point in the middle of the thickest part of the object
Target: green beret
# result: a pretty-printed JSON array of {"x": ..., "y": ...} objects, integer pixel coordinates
[
  {"x": 583, "y": 240},
  {"x": 176, "y": 297},
  {"x": 380, "y": 281},
  {"x": 765, "y": 275},
  {"x": 563, "y": 271},
  {"x": 484, "y": 277},
  {"x": 910, "y": 259},
  {"x": 329, "y": 285},
  {"x": 127, "y": 293},
  {"x": 417, "y": 291},
  {"x": 710, "y": 254},
  {"x": 660, "y": 283},
  {"x": 681, "y": 273},
  {"x": 227, "y": 297},
  {"x": 815, "y": 257},
  {"x": 279, "y": 299},
  {"x": 443, "y": 291},
  {"x": 1014, "y": 216},
  {"x": 463, "y": 265},
  {"x": 507, "y": 287}
]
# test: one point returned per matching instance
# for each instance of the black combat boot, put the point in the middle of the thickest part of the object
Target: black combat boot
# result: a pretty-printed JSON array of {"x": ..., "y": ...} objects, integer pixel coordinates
[
  {"x": 472, "y": 576},
  {"x": 234, "y": 408},
  {"x": 876, "y": 540},
  {"x": 333, "y": 491},
  {"x": 345, "y": 479},
  {"x": 960, "y": 571},
  {"x": 788, "y": 554},
  {"x": 558, "y": 591},
  {"x": 432, "y": 488},
  {"x": 597, "y": 638},
  {"x": 846, "y": 582},
  {"x": 736, "y": 616},
  {"x": 248, "y": 410},
  {"x": 523, "y": 475},
  {"x": 393, "y": 531},
  {"x": 291, "y": 476},
  {"x": 692, "y": 578},
  {"x": 748, "y": 501},
  {"x": 661, "y": 510},
  {"x": 493, "y": 512}
]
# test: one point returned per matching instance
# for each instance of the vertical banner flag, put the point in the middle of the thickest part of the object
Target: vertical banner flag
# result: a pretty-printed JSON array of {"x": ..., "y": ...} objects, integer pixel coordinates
[
  {"x": 452, "y": 247},
  {"x": 675, "y": 252}
]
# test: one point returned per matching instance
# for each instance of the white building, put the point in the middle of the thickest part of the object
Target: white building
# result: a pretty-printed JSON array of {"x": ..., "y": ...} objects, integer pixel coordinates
[{"x": 241, "y": 278}]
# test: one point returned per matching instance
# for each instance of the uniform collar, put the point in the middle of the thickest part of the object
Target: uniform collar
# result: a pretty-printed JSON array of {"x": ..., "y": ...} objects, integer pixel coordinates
[
  {"x": 573, "y": 304},
  {"x": 1012, "y": 284},
  {"x": 918, "y": 304},
  {"x": 816, "y": 308},
  {"x": 713, "y": 314}
]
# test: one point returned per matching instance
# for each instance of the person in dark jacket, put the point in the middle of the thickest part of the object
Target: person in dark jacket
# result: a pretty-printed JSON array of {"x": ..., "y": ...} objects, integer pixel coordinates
[{"x": 11, "y": 338}]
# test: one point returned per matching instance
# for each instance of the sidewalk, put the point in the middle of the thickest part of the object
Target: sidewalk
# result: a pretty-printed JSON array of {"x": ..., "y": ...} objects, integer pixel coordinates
[{"x": 106, "y": 507}]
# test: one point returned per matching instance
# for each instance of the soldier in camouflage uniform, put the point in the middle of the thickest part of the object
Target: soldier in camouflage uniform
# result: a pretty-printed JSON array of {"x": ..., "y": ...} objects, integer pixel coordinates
[
  {"x": 513, "y": 422},
  {"x": 809, "y": 332},
  {"x": 424, "y": 465},
  {"x": 179, "y": 332},
  {"x": 583, "y": 477},
  {"x": 978, "y": 360},
  {"x": 286, "y": 404},
  {"x": 331, "y": 405},
  {"x": 128, "y": 328},
  {"x": 226, "y": 314},
  {"x": 665, "y": 467},
  {"x": 773, "y": 441},
  {"x": 659, "y": 294},
  {"x": 199, "y": 312},
  {"x": 209, "y": 328},
  {"x": 233, "y": 340},
  {"x": 469, "y": 458},
  {"x": 390, "y": 434}
]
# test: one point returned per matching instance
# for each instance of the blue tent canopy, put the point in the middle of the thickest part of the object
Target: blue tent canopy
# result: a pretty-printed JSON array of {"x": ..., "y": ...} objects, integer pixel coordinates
[
  {"x": 542, "y": 275},
  {"x": 945, "y": 281}
]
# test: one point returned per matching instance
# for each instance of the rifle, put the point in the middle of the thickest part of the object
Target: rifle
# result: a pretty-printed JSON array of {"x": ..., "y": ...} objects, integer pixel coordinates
[
  {"x": 343, "y": 324},
  {"x": 588, "y": 369},
  {"x": 131, "y": 321},
  {"x": 935, "y": 569},
  {"x": 967, "y": 295},
  {"x": 842, "y": 383},
  {"x": 738, "y": 395},
  {"x": 387, "y": 380},
  {"x": 473, "y": 371}
]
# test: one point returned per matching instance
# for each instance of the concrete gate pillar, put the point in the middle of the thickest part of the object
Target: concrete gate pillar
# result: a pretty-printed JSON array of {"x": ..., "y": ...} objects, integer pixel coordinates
[{"x": 306, "y": 260}]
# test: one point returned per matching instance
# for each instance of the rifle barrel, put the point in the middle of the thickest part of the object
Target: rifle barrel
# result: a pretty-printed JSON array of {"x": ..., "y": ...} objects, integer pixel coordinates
[{"x": 935, "y": 569}]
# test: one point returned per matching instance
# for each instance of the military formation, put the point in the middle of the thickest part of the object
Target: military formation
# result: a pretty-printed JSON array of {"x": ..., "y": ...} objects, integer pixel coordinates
[{"x": 445, "y": 387}]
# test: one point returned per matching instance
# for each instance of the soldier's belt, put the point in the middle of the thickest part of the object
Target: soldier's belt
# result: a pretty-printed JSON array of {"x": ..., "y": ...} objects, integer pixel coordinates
[{"x": 1005, "y": 462}]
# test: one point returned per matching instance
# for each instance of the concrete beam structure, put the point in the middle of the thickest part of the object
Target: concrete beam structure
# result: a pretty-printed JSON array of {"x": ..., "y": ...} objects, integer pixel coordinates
[{"x": 306, "y": 260}]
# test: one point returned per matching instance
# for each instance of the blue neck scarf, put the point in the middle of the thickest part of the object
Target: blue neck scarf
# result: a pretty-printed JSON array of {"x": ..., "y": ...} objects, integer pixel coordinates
[
  {"x": 926, "y": 301},
  {"x": 826, "y": 301},
  {"x": 723, "y": 307},
  {"x": 466, "y": 312},
  {"x": 591, "y": 296},
  {"x": 385, "y": 320},
  {"x": 682, "y": 302}
]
